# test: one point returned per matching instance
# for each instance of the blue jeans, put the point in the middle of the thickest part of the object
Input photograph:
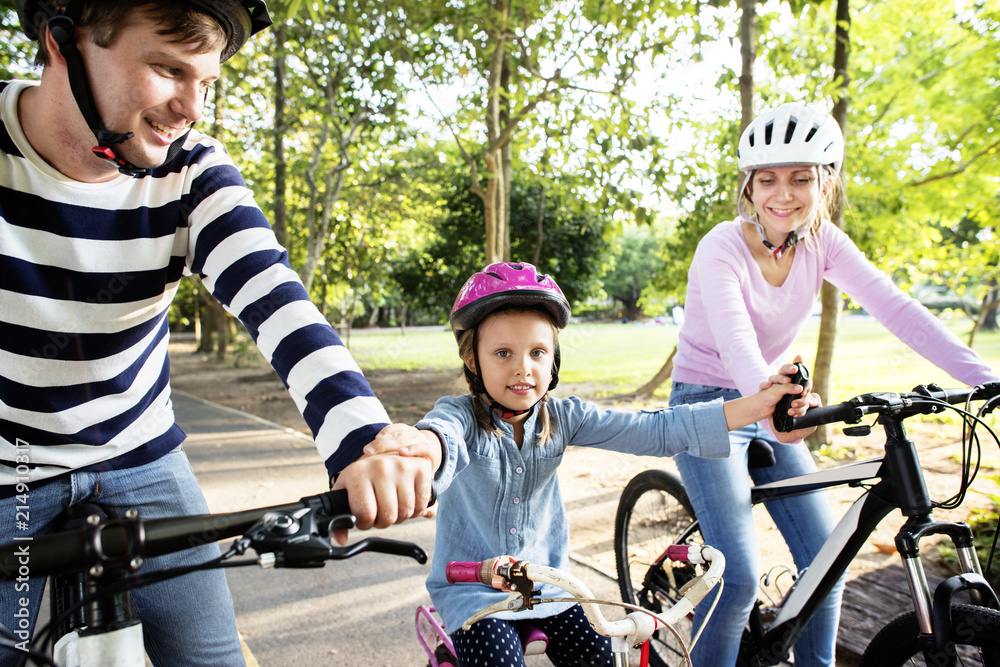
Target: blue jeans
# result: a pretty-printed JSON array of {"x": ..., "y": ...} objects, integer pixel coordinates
[
  {"x": 188, "y": 620},
  {"x": 719, "y": 490}
]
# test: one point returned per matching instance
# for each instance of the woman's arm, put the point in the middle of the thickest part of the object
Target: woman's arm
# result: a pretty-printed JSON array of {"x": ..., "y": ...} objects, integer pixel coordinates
[{"x": 904, "y": 316}]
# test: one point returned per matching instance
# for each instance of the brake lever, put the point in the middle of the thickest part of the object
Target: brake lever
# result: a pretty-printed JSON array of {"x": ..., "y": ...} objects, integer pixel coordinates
[
  {"x": 514, "y": 602},
  {"x": 379, "y": 545}
]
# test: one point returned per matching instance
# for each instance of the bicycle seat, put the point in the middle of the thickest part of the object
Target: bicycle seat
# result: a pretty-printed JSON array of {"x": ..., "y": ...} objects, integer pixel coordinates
[
  {"x": 533, "y": 640},
  {"x": 760, "y": 454}
]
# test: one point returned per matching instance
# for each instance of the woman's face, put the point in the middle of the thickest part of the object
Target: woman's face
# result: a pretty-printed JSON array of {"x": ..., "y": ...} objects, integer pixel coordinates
[
  {"x": 516, "y": 353},
  {"x": 785, "y": 198}
]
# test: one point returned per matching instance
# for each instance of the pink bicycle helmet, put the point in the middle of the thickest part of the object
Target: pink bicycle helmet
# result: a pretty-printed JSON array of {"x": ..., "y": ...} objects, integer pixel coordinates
[
  {"x": 507, "y": 284},
  {"x": 498, "y": 286}
]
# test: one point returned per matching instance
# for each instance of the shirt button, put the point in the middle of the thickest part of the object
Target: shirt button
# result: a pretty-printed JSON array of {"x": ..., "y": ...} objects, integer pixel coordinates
[
  {"x": 513, "y": 531},
  {"x": 519, "y": 470},
  {"x": 517, "y": 500}
]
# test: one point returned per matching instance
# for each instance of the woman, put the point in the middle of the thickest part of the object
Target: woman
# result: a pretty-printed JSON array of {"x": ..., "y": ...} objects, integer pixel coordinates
[{"x": 751, "y": 288}]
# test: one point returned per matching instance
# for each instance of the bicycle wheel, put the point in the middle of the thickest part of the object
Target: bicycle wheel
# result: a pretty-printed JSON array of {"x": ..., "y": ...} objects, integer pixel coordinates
[
  {"x": 653, "y": 513},
  {"x": 977, "y": 629}
]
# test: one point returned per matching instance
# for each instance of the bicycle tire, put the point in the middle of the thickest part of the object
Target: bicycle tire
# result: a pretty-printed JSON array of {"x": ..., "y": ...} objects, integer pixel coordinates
[
  {"x": 977, "y": 628},
  {"x": 653, "y": 513}
]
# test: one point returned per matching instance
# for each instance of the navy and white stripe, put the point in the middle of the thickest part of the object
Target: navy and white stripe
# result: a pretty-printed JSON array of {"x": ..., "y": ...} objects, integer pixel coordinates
[{"x": 87, "y": 274}]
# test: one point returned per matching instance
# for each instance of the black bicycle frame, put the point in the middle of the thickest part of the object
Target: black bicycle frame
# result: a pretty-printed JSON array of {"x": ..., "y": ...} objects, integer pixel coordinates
[{"x": 901, "y": 485}]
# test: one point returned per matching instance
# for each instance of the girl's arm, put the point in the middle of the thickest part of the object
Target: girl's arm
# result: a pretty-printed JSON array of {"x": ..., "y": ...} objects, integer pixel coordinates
[{"x": 751, "y": 409}]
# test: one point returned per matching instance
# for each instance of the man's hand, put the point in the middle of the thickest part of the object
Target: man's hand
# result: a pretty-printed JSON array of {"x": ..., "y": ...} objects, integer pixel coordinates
[{"x": 385, "y": 489}]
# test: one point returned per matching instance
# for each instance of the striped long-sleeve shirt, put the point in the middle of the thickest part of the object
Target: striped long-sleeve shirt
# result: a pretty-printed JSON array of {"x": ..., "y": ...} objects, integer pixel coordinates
[{"x": 87, "y": 274}]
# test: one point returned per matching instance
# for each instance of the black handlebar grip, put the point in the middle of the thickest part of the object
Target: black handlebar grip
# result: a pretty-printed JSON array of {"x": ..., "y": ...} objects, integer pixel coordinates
[
  {"x": 782, "y": 421},
  {"x": 846, "y": 412}
]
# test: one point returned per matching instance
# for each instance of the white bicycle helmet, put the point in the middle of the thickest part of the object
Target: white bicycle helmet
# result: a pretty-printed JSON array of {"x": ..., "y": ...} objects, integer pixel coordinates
[
  {"x": 787, "y": 135},
  {"x": 791, "y": 134}
]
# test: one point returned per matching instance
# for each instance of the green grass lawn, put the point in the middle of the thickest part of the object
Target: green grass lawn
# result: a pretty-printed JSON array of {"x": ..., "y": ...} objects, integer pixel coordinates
[{"x": 621, "y": 357}]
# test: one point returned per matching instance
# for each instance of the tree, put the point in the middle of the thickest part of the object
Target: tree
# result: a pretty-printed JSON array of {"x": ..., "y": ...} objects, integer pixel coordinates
[
  {"x": 574, "y": 253},
  {"x": 550, "y": 74},
  {"x": 635, "y": 262}
]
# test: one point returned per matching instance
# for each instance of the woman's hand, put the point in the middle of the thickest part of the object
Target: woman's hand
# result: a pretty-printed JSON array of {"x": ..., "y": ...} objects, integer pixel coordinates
[{"x": 799, "y": 406}]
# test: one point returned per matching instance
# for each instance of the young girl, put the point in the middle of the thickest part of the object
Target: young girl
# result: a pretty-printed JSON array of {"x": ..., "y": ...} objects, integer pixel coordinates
[
  {"x": 497, "y": 484},
  {"x": 751, "y": 288}
]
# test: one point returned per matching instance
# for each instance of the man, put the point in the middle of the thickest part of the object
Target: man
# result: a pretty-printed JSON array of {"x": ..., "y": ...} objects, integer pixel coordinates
[{"x": 108, "y": 197}]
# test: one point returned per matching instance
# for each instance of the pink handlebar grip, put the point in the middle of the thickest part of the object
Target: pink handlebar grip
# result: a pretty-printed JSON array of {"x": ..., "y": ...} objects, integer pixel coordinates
[
  {"x": 457, "y": 572},
  {"x": 679, "y": 552}
]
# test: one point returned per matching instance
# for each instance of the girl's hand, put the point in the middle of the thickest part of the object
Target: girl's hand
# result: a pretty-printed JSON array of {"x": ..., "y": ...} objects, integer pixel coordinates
[
  {"x": 781, "y": 384},
  {"x": 408, "y": 441}
]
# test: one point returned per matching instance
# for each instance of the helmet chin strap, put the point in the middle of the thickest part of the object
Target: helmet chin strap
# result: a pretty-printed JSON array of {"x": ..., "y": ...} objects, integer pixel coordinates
[{"x": 62, "y": 28}]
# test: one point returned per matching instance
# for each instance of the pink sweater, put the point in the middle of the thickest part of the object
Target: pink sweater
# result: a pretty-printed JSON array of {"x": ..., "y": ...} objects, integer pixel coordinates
[{"x": 738, "y": 329}]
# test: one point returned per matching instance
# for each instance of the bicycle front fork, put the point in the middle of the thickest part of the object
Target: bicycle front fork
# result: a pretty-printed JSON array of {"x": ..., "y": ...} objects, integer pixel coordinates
[{"x": 934, "y": 612}]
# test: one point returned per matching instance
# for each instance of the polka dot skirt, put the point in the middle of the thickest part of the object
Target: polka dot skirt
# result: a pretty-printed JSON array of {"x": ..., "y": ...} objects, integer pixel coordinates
[{"x": 495, "y": 643}]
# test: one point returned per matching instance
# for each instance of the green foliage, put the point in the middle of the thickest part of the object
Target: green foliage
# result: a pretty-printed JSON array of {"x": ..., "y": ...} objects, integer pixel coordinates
[
  {"x": 923, "y": 135},
  {"x": 635, "y": 261},
  {"x": 17, "y": 53},
  {"x": 593, "y": 114},
  {"x": 573, "y": 247}
]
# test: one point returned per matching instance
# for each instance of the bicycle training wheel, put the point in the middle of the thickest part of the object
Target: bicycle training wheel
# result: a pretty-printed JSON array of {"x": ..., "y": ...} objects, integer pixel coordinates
[
  {"x": 653, "y": 513},
  {"x": 977, "y": 633}
]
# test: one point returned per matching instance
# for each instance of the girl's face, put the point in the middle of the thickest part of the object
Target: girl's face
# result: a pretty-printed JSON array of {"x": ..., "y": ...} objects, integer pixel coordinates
[
  {"x": 516, "y": 353},
  {"x": 785, "y": 198}
]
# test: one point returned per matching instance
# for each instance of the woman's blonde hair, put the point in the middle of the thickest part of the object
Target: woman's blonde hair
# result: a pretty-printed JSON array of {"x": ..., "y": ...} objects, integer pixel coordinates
[
  {"x": 831, "y": 193},
  {"x": 484, "y": 416}
]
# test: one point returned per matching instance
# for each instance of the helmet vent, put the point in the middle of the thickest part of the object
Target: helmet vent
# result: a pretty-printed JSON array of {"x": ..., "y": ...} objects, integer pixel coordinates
[
  {"x": 790, "y": 130},
  {"x": 767, "y": 133},
  {"x": 812, "y": 132},
  {"x": 495, "y": 275}
]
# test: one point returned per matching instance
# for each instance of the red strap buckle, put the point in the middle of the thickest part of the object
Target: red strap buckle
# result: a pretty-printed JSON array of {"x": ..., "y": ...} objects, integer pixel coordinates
[{"x": 106, "y": 153}]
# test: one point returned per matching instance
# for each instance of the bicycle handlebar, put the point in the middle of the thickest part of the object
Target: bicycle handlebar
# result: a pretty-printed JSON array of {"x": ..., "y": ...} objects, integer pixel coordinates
[
  {"x": 269, "y": 529},
  {"x": 517, "y": 577},
  {"x": 924, "y": 399}
]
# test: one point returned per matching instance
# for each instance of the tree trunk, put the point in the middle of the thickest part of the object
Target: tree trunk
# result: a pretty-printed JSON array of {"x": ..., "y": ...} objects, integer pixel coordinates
[
  {"x": 209, "y": 323},
  {"x": 539, "y": 236},
  {"x": 222, "y": 323},
  {"x": 987, "y": 320},
  {"x": 989, "y": 309},
  {"x": 662, "y": 375},
  {"x": 822, "y": 374},
  {"x": 506, "y": 158},
  {"x": 748, "y": 53},
  {"x": 280, "y": 224},
  {"x": 497, "y": 193},
  {"x": 197, "y": 318}
]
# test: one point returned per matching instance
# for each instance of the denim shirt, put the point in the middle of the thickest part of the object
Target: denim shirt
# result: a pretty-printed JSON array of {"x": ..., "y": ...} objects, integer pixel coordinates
[{"x": 496, "y": 499}]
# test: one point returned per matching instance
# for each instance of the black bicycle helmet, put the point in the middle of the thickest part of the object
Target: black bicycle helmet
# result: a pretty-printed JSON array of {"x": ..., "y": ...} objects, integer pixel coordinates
[{"x": 239, "y": 18}]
